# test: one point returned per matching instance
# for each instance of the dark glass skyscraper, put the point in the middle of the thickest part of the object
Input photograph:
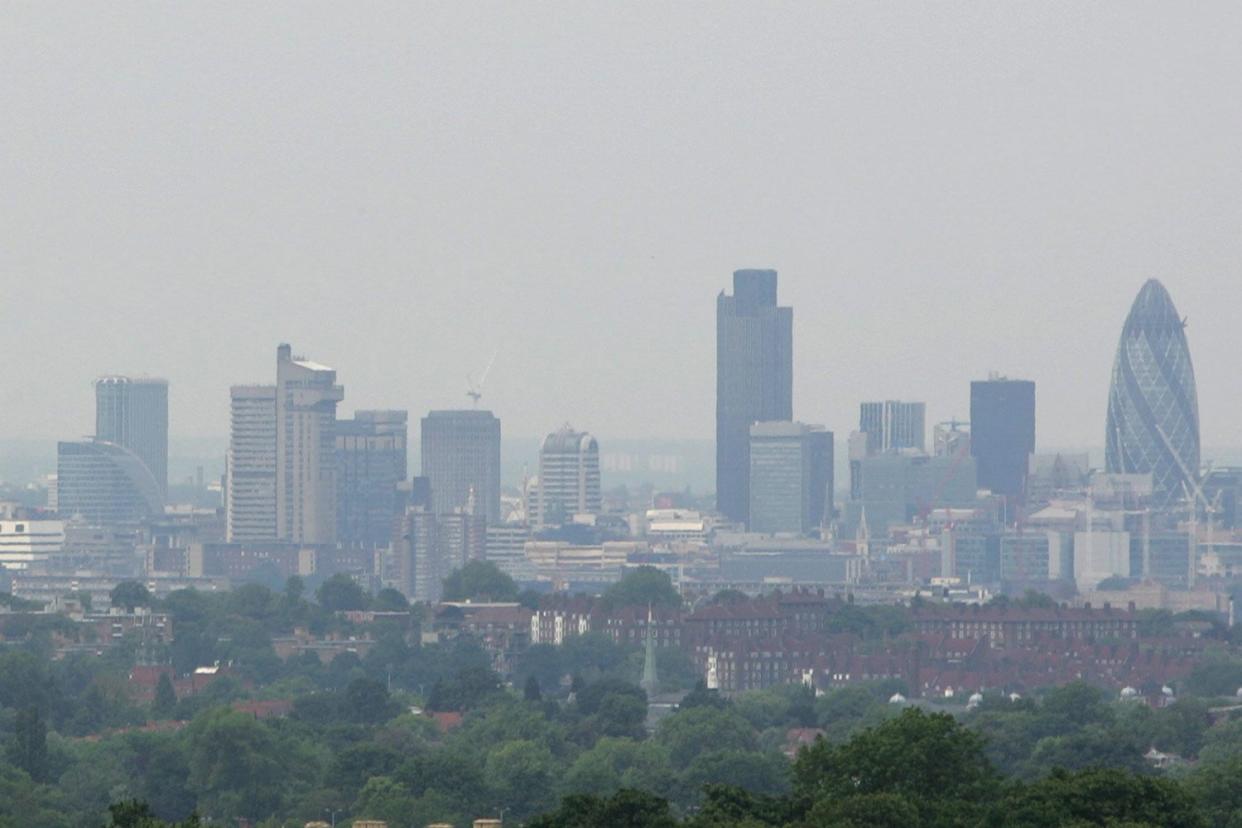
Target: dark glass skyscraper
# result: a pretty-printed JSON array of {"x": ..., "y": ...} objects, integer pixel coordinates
[
  {"x": 461, "y": 458},
  {"x": 1002, "y": 434},
  {"x": 1153, "y": 408},
  {"x": 754, "y": 379},
  {"x": 370, "y": 464}
]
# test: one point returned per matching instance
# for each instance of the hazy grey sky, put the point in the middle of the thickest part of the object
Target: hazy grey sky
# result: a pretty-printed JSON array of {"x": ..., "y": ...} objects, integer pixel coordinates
[{"x": 399, "y": 190}]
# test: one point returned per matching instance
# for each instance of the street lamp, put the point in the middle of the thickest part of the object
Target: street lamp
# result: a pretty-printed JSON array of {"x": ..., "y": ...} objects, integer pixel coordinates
[{"x": 334, "y": 813}]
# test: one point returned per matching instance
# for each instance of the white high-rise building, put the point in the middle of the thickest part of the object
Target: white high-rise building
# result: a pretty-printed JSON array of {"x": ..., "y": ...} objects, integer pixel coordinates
[
  {"x": 250, "y": 493},
  {"x": 24, "y": 543},
  {"x": 569, "y": 482},
  {"x": 306, "y": 398}
]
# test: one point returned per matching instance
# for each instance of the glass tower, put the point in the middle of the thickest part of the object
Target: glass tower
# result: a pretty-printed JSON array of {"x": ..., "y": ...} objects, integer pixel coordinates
[
  {"x": 754, "y": 379},
  {"x": 1153, "y": 409}
]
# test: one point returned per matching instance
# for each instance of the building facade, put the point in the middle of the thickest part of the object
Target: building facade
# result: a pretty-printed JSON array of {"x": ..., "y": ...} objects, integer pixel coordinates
[
  {"x": 892, "y": 425},
  {"x": 133, "y": 414},
  {"x": 790, "y": 477},
  {"x": 1153, "y": 408},
  {"x": 105, "y": 484},
  {"x": 461, "y": 459},
  {"x": 754, "y": 379},
  {"x": 1002, "y": 435},
  {"x": 371, "y": 462},
  {"x": 569, "y": 482},
  {"x": 306, "y": 399},
  {"x": 30, "y": 543},
  {"x": 250, "y": 483}
]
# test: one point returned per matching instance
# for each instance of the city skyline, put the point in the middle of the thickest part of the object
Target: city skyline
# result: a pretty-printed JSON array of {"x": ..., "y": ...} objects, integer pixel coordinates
[{"x": 896, "y": 199}]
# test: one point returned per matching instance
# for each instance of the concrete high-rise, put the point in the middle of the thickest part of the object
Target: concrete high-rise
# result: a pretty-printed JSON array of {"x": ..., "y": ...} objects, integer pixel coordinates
[
  {"x": 306, "y": 399},
  {"x": 1002, "y": 435},
  {"x": 790, "y": 477},
  {"x": 569, "y": 482},
  {"x": 754, "y": 379},
  {"x": 891, "y": 425},
  {"x": 370, "y": 463},
  {"x": 1153, "y": 409},
  {"x": 133, "y": 413},
  {"x": 250, "y": 488},
  {"x": 461, "y": 458}
]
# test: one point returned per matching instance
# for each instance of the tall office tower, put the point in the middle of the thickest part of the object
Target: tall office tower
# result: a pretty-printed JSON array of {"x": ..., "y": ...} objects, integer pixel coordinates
[
  {"x": 892, "y": 425},
  {"x": 434, "y": 545},
  {"x": 1153, "y": 407},
  {"x": 105, "y": 484},
  {"x": 754, "y": 379},
  {"x": 420, "y": 564},
  {"x": 133, "y": 414},
  {"x": 568, "y": 477},
  {"x": 790, "y": 477},
  {"x": 306, "y": 398},
  {"x": 250, "y": 488},
  {"x": 1002, "y": 435},
  {"x": 370, "y": 463},
  {"x": 460, "y": 456}
]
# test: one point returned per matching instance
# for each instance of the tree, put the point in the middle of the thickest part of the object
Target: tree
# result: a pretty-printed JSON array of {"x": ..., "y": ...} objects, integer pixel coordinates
[
  {"x": 390, "y": 600},
  {"x": 367, "y": 702},
  {"x": 759, "y": 773},
  {"x": 130, "y": 594},
  {"x": 687, "y": 733},
  {"x": 874, "y": 810},
  {"x": 340, "y": 593},
  {"x": 929, "y": 759},
  {"x": 236, "y": 766},
  {"x": 165, "y": 698},
  {"x": 611, "y": 764},
  {"x": 731, "y": 807},
  {"x": 522, "y": 775},
  {"x": 641, "y": 587},
  {"x": 30, "y": 743},
  {"x": 625, "y": 809},
  {"x": 465, "y": 691},
  {"x": 700, "y": 696},
  {"x": 135, "y": 813},
  {"x": 1099, "y": 796},
  {"x": 479, "y": 580}
]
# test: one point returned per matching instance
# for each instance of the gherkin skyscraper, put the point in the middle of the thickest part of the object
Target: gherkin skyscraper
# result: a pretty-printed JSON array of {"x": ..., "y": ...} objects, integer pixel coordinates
[{"x": 1153, "y": 410}]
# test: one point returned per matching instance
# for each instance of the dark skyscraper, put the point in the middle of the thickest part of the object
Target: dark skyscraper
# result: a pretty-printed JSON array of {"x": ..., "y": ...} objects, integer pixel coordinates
[
  {"x": 1002, "y": 435},
  {"x": 370, "y": 464},
  {"x": 1153, "y": 408},
  {"x": 133, "y": 414},
  {"x": 461, "y": 458},
  {"x": 754, "y": 379}
]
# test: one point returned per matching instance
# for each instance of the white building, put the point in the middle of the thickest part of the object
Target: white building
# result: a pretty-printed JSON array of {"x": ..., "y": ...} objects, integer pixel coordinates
[
  {"x": 24, "y": 543},
  {"x": 569, "y": 483},
  {"x": 250, "y": 493},
  {"x": 306, "y": 398},
  {"x": 1099, "y": 556}
]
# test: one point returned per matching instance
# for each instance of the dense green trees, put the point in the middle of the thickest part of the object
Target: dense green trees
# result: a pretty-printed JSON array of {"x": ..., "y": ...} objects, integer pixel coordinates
[
  {"x": 641, "y": 587},
  {"x": 479, "y": 580},
  {"x": 569, "y": 735}
]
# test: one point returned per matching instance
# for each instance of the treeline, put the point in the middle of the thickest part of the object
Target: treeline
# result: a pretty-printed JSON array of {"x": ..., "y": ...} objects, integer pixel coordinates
[{"x": 415, "y": 733}]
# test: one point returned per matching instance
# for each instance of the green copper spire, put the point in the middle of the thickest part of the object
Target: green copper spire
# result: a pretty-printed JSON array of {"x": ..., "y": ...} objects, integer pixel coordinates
[{"x": 649, "y": 681}]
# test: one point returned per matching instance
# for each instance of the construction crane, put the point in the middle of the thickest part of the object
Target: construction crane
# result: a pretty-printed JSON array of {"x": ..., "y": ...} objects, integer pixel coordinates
[{"x": 474, "y": 390}]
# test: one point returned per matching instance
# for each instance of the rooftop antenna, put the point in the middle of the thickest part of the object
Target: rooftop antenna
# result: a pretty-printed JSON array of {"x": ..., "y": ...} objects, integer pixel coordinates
[{"x": 474, "y": 390}]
